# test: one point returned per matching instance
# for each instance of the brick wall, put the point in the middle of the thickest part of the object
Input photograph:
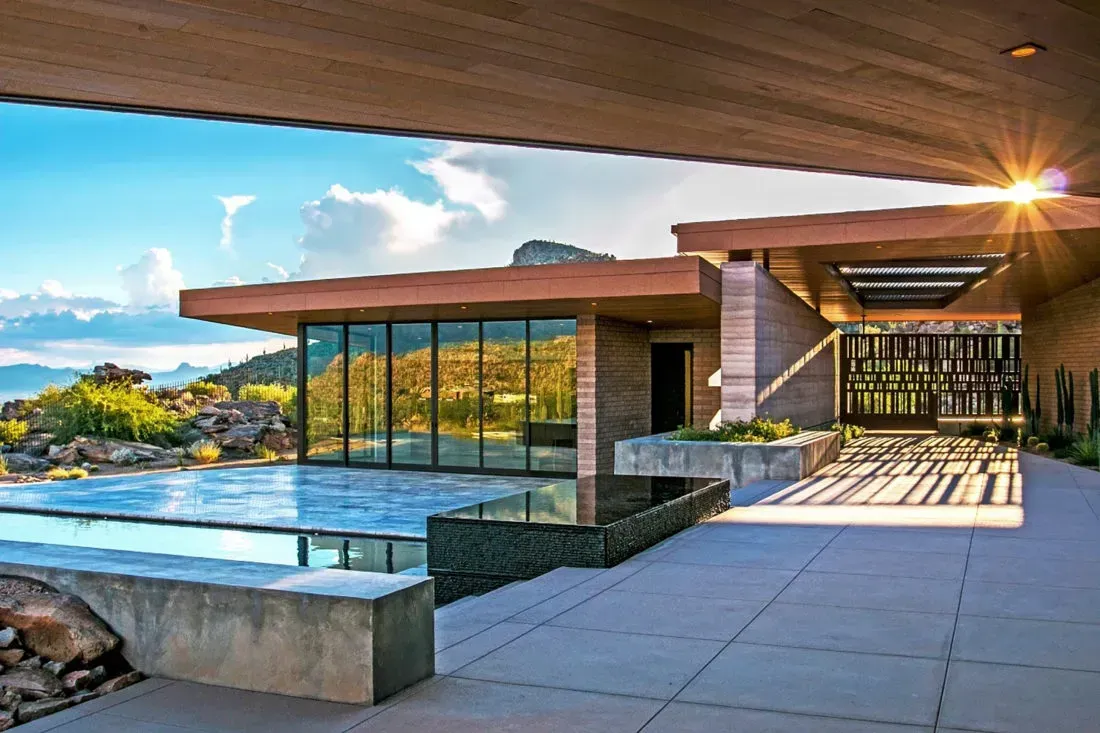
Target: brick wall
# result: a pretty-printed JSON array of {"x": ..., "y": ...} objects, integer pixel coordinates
[
  {"x": 1065, "y": 330},
  {"x": 706, "y": 360},
  {"x": 779, "y": 356},
  {"x": 613, "y": 398}
]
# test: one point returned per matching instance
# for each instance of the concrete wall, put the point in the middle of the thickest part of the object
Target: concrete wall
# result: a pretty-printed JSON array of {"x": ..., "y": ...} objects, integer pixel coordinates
[
  {"x": 706, "y": 360},
  {"x": 613, "y": 398},
  {"x": 779, "y": 356},
  {"x": 307, "y": 632},
  {"x": 1065, "y": 330}
]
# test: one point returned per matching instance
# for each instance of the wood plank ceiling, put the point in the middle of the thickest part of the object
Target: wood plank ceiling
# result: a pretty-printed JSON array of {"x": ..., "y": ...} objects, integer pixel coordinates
[{"x": 905, "y": 88}]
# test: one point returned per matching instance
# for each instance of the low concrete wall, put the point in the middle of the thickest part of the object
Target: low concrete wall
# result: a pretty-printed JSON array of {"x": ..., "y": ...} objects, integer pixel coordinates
[
  {"x": 788, "y": 459},
  {"x": 325, "y": 634}
]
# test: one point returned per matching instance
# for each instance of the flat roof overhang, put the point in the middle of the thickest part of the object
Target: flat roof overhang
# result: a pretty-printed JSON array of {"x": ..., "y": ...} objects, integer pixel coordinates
[
  {"x": 902, "y": 89},
  {"x": 1050, "y": 246},
  {"x": 680, "y": 292}
]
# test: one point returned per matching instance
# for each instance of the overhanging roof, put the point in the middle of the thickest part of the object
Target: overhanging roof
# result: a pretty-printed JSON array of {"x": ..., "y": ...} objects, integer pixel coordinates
[
  {"x": 981, "y": 261},
  {"x": 664, "y": 292},
  {"x": 885, "y": 87}
]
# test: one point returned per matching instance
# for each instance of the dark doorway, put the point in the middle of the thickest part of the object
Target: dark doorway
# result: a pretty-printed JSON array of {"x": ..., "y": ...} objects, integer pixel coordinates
[{"x": 671, "y": 386}]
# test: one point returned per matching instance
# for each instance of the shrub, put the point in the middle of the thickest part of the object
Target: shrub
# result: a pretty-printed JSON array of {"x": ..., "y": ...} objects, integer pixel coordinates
[
  {"x": 262, "y": 452},
  {"x": 1033, "y": 441},
  {"x": 286, "y": 396},
  {"x": 12, "y": 431},
  {"x": 108, "y": 411},
  {"x": 1009, "y": 433},
  {"x": 208, "y": 389},
  {"x": 3, "y": 466},
  {"x": 1042, "y": 447},
  {"x": 1085, "y": 451},
  {"x": 205, "y": 451},
  {"x": 991, "y": 435},
  {"x": 66, "y": 474},
  {"x": 848, "y": 432},
  {"x": 757, "y": 430}
]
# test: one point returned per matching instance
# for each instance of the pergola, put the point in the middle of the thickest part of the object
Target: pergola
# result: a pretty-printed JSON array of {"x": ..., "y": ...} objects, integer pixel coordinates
[{"x": 920, "y": 90}]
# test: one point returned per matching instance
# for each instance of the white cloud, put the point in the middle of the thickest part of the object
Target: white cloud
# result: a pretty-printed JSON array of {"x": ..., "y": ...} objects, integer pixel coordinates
[
  {"x": 464, "y": 181},
  {"x": 50, "y": 297},
  {"x": 281, "y": 271},
  {"x": 152, "y": 280},
  {"x": 229, "y": 282},
  {"x": 350, "y": 232},
  {"x": 232, "y": 205}
]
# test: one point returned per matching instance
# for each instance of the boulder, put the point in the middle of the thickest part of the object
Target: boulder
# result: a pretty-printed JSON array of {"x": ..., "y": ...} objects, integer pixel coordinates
[
  {"x": 84, "y": 679},
  {"x": 278, "y": 441},
  {"x": 241, "y": 437},
  {"x": 29, "y": 711},
  {"x": 9, "y": 700},
  {"x": 209, "y": 411},
  {"x": 55, "y": 625},
  {"x": 114, "y": 374},
  {"x": 7, "y": 637},
  {"x": 31, "y": 684},
  {"x": 102, "y": 450},
  {"x": 116, "y": 684},
  {"x": 23, "y": 463},
  {"x": 11, "y": 657},
  {"x": 253, "y": 411},
  {"x": 12, "y": 409},
  {"x": 62, "y": 455},
  {"x": 6, "y": 721}
]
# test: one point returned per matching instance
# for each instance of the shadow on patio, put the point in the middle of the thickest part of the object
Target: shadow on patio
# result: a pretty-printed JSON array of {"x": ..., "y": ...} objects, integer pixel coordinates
[{"x": 907, "y": 480}]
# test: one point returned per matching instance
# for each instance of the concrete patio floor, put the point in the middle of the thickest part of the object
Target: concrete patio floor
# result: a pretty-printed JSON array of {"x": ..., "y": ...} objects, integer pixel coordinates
[{"x": 916, "y": 585}]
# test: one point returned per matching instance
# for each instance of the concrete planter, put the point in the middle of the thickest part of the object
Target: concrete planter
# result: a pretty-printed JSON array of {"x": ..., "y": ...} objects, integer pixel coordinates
[{"x": 788, "y": 459}]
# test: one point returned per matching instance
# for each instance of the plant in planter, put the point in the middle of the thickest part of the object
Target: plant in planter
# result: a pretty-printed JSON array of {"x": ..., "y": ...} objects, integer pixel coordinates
[
  {"x": 1025, "y": 404},
  {"x": 1063, "y": 385},
  {"x": 1094, "y": 404}
]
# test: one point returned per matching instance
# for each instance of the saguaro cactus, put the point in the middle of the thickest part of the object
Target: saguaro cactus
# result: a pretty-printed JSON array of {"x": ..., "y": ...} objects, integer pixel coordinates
[
  {"x": 1059, "y": 393},
  {"x": 1071, "y": 402},
  {"x": 1037, "y": 415},
  {"x": 1025, "y": 404},
  {"x": 1094, "y": 409}
]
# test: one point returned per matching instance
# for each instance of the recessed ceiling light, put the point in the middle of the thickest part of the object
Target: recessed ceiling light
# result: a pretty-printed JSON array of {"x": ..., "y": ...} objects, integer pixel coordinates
[
  {"x": 462, "y": 307},
  {"x": 1024, "y": 50},
  {"x": 649, "y": 321},
  {"x": 362, "y": 310},
  {"x": 593, "y": 305}
]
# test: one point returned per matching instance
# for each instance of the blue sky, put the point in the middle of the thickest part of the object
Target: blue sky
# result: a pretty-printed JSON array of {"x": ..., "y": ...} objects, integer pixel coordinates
[{"x": 107, "y": 215}]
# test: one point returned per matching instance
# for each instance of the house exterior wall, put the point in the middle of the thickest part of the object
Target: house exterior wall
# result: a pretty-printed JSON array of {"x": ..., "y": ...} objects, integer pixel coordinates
[
  {"x": 706, "y": 360},
  {"x": 613, "y": 383},
  {"x": 779, "y": 356},
  {"x": 1064, "y": 330}
]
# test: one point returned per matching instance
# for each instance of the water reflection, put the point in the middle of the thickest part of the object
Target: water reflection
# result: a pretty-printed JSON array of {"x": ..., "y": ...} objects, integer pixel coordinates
[{"x": 317, "y": 551}]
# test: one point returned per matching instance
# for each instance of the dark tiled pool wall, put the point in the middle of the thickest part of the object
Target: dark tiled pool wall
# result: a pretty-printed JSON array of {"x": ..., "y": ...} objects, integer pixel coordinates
[
  {"x": 630, "y": 536},
  {"x": 472, "y": 556}
]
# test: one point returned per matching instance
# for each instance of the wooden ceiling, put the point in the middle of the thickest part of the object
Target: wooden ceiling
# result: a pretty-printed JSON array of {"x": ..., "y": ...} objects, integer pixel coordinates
[
  {"x": 1052, "y": 246},
  {"x": 906, "y": 88}
]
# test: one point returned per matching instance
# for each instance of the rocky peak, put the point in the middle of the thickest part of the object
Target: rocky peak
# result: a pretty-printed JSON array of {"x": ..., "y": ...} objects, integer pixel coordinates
[{"x": 543, "y": 252}]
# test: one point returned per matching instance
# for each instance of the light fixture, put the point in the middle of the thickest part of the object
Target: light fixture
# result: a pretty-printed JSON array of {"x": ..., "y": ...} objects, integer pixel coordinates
[
  {"x": 1024, "y": 50},
  {"x": 362, "y": 310},
  {"x": 650, "y": 321},
  {"x": 593, "y": 304},
  {"x": 462, "y": 307},
  {"x": 1023, "y": 192}
]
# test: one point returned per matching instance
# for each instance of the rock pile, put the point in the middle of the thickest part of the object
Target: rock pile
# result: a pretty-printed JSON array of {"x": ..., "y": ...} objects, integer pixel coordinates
[
  {"x": 54, "y": 653},
  {"x": 109, "y": 373},
  {"x": 240, "y": 426}
]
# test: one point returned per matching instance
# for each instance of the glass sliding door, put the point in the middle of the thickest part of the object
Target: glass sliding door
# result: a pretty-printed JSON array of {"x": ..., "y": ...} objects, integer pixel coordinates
[
  {"x": 411, "y": 394},
  {"x": 324, "y": 382},
  {"x": 504, "y": 394},
  {"x": 553, "y": 426},
  {"x": 367, "y": 393},
  {"x": 458, "y": 386}
]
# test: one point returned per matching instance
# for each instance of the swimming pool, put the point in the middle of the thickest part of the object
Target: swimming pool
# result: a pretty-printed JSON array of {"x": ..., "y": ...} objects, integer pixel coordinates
[{"x": 219, "y": 543}]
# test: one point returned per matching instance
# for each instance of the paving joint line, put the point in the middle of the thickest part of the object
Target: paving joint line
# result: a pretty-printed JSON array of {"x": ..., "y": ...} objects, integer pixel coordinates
[{"x": 954, "y": 631}]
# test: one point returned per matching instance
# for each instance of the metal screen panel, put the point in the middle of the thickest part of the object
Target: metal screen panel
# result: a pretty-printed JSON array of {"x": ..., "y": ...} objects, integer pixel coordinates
[{"x": 909, "y": 381}]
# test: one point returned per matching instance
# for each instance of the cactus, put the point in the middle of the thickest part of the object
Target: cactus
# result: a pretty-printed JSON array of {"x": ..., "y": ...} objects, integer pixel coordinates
[
  {"x": 1094, "y": 409},
  {"x": 1025, "y": 404},
  {"x": 1059, "y": 394},
  {"x": 1071, "y": 402},
  {"x": 1037, "y": 414}
]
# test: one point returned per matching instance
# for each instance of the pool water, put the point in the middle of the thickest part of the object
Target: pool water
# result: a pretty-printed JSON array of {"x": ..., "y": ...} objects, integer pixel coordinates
[{"x": 218, "y": 543}]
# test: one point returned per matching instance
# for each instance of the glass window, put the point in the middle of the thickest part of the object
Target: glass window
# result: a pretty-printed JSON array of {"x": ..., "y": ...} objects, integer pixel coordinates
[
  {"x": 367, "y": 393},
  {"x": 457, "y": 384},
  {"x": 325, "y": 393},
  {"x": 412, "y": 393},
  {"x": 504, "y": 394},
  {"x": 553, "y": 428}
]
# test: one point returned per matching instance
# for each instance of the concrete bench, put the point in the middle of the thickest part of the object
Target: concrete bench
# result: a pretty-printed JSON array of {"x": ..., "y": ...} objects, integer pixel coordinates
[{"x": 308, "y": 632}]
